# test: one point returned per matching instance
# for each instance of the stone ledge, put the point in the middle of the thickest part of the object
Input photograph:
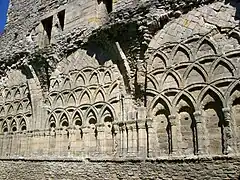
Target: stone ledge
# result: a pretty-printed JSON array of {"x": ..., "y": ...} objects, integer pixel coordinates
[{"x": 176, "y": 159}]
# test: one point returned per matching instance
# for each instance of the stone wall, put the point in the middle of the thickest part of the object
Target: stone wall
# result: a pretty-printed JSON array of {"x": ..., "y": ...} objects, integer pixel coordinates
[{"x": 175, "y": 169}]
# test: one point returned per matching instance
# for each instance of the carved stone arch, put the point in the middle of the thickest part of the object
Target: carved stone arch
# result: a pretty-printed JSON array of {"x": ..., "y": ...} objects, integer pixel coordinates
[
  {"x": 160, "y": 112},
  {"x": 91, "y": 116},
  {"x": 85, "y": 97},
  {"x": 20, "y": 108},
  {"x": 234, "y": 34},
  {"x": 187, "y": 97},
  {"x": 52, "y": 121},
  {"x": 113, "y": 91},
  {"x": 162, "y": 100},
  {"x": 234, "y": 104},
  {"x": 5, "y": 127},
  {"x": 94, "y": 77},
  {"x": 8, "y": 95},
  {"x": 87, "y": 71},
  {"x": 223, "y": 83},
  {"x": 232, "y": 54},
  {"x": 67, "y": 84},
  {"x": 55, "y": 84},
  {"x": 80, "y": 79},
  {"x": 22, "y": 124},
  {"x": 234, "y": 86},
  {"x": 99, "y": 95},
  {"x": 159, "y": 60},
  {"x": 152, "y": 82},
  {"x": 14, "y": 126},
  {"x": 17, "y": 94},
  {"x": 64, "y": 120},
  {"x": 28, "y": 107},
  {"x": 10, "y": 109},
  {"x": 77, "y": 118},
  {"x": 212, "y": 91},
  {"x": 59, "y": 101},
  {"x": 2, "y": 110},
  {"x": 197, "y": 71},
  {"x": 209, "y": 47},
  {"x": 107, "y": 77},
  {"x": 191, "y": 39},
  {"x": 106, "y": 110},
  {"x": 171, "y": 79},
  {"x": 227, "y": 70},
  {"x": 212, "y": 103},
  {"x": 71, "y": 99},
  {"x": 181, "y": 53}
]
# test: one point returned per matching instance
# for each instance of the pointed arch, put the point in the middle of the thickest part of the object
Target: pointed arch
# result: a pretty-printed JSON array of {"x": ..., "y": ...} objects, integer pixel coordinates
[
  {"x": 10, "y": 109},
  {"x": 234, "y": 86},
  {"x": 181, "y": 53},
  {"x": 77, "y": 119},
  {"x": 8, "y": 95},
  {"x": 85, "y": 97},
  {"x": 23, "y": 125},
  {"x": 152, "y": 82},
  {"x": 64, "y": 120},
  {"x": 94, "y": 78},
  {"x": 71, "y": 100},
  {"x": 159, "y": 60},
  {"x": 187, "y": 97},
  {"x": 107, "y": 77},
  {"x": 13, "y": 126},
  {"x": 164, "y": 102},
  {"x": 80, "y": 80},
  {"x": 195, "y": 73},
  {"x": 20, "y": 108},
  {"x": 107, "y": 111},
  {"x": 99, "y": 95},
  {"x": 55, "y": 85},
  {"x": 212, "y": 103},
  {"x": 222, "y": 68},
  {"x": 214, "y": 93},
  {"x": 170, "y": 80},
  {"x": 67, "y": 84},
  {"x": 5, "y": 127},
  {"x": 91, "y": 115},
  {"x": 17, "y": 94},
  {"x": 59, "y": 101},
  {"x": 206, "y": 47},
  {"x": 52, "y": 121},
  {"x": 2, "y": 111}
]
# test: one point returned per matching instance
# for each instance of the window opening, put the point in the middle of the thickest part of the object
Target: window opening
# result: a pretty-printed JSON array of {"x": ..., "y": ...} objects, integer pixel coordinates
[
  {"x": 47, "y": 25},
  {"x": 61, "y": 18},
  {"x": 108, "y": 5}
]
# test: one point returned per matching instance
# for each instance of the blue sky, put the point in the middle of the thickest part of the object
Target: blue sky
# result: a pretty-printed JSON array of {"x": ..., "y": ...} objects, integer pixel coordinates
[{"x": 3, "y": 13}]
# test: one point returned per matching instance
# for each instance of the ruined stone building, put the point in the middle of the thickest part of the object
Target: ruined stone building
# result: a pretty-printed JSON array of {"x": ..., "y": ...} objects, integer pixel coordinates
[{"x": 120, "y": 89}]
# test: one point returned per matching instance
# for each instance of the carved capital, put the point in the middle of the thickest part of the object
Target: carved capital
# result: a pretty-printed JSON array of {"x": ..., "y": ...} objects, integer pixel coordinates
[
  {"x": 173, "y": 119},
  {"x": 197, "y": 116}
]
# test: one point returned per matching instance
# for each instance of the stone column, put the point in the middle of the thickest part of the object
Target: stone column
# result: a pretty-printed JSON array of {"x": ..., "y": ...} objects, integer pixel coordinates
[
  {"x": 150, "y": 138},
  {"x": 86, "y": 140},
  {"x": 200, "y": 135},
  {"x": 116, "y": 140},
  {"x": 101, "y": 142},
  {"x": 175, "y": 136},
  {"x": 142, "y": 141},
  {"x": 228, "y": 141},
  {"x": 130, "y": 138}
]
